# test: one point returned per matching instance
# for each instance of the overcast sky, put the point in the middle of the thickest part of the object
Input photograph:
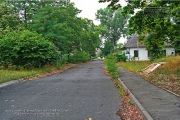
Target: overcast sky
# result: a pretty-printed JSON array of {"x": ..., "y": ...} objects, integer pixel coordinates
[{"x": 89, "y": 8}]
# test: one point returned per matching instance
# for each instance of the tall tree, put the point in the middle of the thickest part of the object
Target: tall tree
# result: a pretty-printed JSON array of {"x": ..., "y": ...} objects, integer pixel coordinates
[
  {"x": 115, "y": 23},
  {"x": 89, "y": 37},
  {"x": 58, "y": 23}
]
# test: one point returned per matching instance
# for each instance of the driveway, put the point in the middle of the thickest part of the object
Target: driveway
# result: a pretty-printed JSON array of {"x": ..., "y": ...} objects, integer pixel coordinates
[{"x": 77, "y": 94}]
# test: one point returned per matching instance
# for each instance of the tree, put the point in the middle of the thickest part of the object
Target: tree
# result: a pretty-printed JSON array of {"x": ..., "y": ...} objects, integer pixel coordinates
[
  {"x": 115, "y": 23},
  {"x": 59, "y": 24},
  {"x": 108, "y": 48},
  {"x": 155, "y": 17},
  {"x": 8, "y": 20},
  {"x": 89, "y": 37}
]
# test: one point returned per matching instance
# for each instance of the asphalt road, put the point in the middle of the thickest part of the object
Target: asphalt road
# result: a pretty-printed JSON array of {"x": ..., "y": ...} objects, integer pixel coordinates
[{"x": 77, "y": 94}]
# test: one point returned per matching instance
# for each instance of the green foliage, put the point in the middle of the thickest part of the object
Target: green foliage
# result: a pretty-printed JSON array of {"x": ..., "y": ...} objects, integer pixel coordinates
[
  {"x": 56, "y": 21},
  {"x": 89, "y": 37},
  {"x": 60, "y": 24},
  {"x": 27, "y": 49},
  {"x": 111, "y": 66},
  {"x": 8, "y": 20},
  {"x": 64, "y": 58},
  {"x": 114, "y": 22},
  {"x": 156, "y": 16},
  {"x": 121, "y": 57},
  {"x": 158, "y": 23},
  {"x": 79, "y": 56},
  {"x": 108, "y": 48},
  {"x": 154, "y": 45}
]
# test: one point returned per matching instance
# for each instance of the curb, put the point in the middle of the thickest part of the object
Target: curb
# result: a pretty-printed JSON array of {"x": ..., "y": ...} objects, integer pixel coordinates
[
  {"x": 143, "y": 112},
  {"x": 10, "y": 83}
]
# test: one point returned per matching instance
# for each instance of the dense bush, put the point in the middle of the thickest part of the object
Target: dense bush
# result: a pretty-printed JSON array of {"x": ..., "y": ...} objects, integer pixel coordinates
[
  {"x": 79, "y": 56},
  {"x": 121, "y": 57},
  {"x": 64, "y": 58},
  {"x": 27, "y": 49},
  {"x": 111, "y": 66}
]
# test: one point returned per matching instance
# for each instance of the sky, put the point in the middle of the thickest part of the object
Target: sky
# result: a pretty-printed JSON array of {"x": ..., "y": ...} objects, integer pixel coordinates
[{"x": 90, "y": 7}]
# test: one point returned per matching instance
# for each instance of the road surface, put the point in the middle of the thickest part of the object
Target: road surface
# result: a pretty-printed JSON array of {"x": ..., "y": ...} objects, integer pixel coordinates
[{"x": 79, "y": 93}]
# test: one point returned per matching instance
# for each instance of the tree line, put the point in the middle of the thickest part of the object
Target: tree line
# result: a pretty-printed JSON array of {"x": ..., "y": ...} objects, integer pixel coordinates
[{"x": 35, "y": 32}]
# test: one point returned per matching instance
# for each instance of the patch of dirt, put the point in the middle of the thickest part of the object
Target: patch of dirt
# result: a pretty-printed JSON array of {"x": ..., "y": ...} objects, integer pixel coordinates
[{"x": 167, "y": 82}]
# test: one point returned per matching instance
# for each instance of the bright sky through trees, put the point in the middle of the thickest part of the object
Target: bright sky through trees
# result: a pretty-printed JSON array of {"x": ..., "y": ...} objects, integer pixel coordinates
[{"x": 90, "y": 7}]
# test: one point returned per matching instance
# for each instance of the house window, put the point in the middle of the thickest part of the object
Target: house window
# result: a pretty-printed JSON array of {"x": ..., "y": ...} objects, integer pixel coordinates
[
  {"x": 127, "y": 52},
  {"x": 135, "y": 53}
]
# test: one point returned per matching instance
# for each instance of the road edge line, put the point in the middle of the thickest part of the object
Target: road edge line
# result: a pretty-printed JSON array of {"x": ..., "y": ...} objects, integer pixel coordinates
[{"x": 138, "y": 104}]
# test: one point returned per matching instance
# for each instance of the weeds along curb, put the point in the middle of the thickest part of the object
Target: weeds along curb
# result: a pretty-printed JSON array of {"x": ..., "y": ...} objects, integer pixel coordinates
[{"x": 143, "y": 112}]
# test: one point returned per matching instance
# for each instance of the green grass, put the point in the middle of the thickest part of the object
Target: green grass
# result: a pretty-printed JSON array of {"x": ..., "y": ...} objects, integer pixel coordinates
[{"x": 11, "y": 74}]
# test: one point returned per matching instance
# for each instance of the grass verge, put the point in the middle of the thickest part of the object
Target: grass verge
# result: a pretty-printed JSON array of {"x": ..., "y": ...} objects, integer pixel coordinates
[{"x": 11, "y": 74}]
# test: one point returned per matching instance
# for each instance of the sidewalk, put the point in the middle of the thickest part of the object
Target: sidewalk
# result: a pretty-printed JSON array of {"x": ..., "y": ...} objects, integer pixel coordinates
[{"x": 160, "y": 104}]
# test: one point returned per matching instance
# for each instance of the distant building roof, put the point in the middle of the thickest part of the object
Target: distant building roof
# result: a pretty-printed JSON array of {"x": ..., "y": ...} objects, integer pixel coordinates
[{"x": 133, "y": 42}]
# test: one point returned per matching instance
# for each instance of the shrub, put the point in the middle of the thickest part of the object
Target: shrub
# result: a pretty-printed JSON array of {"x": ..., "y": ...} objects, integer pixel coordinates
[
  {"x": 64, "y": 58},
  {"x": 111, "y": 65},
  {"x": 79, "y": 56},
  {"x": 27, "y": 49},
  {"x": 121, "y": 57}
]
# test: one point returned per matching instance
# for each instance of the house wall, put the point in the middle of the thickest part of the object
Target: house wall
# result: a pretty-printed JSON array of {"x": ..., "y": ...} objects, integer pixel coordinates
[
  {"x": 169, "y": 51},
  {"x": 143, "y": 53}
]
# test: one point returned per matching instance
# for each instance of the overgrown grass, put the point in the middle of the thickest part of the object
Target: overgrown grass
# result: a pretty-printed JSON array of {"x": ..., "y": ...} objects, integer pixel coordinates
[
  {"x": 12, "y": 74},
  {"x": 167, "y": 76},
  {"x": 172, "y": 64},
  {"x": 136, "y": 66}
]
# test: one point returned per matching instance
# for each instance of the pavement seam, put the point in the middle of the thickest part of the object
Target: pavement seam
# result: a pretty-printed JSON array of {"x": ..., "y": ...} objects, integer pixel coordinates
[{"x": 146, "y": 115}]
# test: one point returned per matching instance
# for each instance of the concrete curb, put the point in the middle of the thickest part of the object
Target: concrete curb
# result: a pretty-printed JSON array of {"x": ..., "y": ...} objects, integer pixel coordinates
[
  {"x": 143, "y": 112},
  {"x": 10, "y": 83}
]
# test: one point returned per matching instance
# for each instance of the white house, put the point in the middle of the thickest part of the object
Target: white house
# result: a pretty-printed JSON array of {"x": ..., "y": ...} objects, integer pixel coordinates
[{"x": 133, "y": 49}]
